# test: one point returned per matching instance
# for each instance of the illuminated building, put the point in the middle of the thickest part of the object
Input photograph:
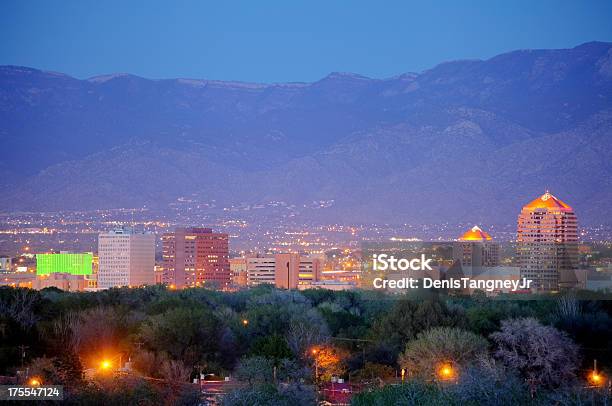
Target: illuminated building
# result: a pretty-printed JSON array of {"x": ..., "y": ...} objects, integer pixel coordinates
[
  {"x": 547, "y": 243},
  {"x": 73, "y": 264},
  {"x": 64, "y": 281},
  {"x": 196, "y": 257},
  {"x": 125, "y": 258},
  {"x": 283, "y": 270},
  {"x": 476, "y": 248},
  {"x": 5, "y": 264},
  {"x": 292, "y": 270},
  {"x": 238, "y": 269},
  {"x": 260, "y": 270}
]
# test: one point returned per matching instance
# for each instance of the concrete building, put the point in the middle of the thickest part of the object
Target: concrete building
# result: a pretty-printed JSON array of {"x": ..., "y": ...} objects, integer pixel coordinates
[
  {"x": 65, "y": 281},
  {"x": 125, "y": 258},
  {"x": 5, "y": 264},
  {"x": 238, "y": 269},
  {"x": 286, "y": 271},
  {"x": 547, "y": 243},
  {"x": 293, "y": 270},
  {"x": 260, "y": 270},
  {"x": 476, "y": 248},
  {"x": 196, "y": 257}
]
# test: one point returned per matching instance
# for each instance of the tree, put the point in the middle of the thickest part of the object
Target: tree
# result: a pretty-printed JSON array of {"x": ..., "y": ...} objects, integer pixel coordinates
[
  {"x": 330, "y": 361},
  {"x": 543, "y": 355},
  {"x": 306, "y": 329},
  {"x": 409, "y": 317},
  {"x": 268, "y": 394},
  {"x": 273, "y": 347},
  {"x": 255, "y": 370},
  {"x": 373, "y": 370},
  {"x": 191, "y": 335},
  {"x": 415, "y": 393},
  {"x": 174, "y": 370},
  {"x": 440, "y": 345}
]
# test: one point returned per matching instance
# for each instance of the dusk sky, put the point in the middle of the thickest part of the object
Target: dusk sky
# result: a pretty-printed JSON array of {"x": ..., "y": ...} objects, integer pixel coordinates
[{"x": 284, "y": 40}]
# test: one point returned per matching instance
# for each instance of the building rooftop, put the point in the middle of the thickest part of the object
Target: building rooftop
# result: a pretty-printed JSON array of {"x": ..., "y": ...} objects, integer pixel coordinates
[
  {"x": 548, "y": 201},
  {"x": 475, "y": 234}
]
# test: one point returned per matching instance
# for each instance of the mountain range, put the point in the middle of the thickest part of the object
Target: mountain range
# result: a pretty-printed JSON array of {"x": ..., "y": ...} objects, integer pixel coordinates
[{"x": 468, "y": 140}]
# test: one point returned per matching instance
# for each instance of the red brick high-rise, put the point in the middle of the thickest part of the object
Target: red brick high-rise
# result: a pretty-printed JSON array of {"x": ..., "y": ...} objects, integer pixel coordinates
[{"x": 195, "y": 257}]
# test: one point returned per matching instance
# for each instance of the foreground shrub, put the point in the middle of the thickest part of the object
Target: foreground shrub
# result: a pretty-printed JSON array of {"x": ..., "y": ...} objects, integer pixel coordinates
[
  {"x": 440, "y": 345},
  {"x": 544, "y": 356}
]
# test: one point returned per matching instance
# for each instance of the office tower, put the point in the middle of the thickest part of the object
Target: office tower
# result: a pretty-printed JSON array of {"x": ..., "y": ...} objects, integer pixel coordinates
[
  {"x": 292, "y": 270},
  {"x": 260, "y": 270},
  {"x": 476, "y": 248},
  {"x": 125, "y": 258},
  {"x": 547, "y": 241},
  {"x": 283, "y": 270},
  {"x": 196, "y": 257}
]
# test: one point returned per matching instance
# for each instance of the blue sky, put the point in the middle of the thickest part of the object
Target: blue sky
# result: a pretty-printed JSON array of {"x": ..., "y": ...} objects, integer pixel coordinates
[{"x": 277, "y": 41}]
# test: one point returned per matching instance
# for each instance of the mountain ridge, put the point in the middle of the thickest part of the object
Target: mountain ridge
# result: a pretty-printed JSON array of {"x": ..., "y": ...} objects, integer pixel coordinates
[{"x": 337, "y": 138}]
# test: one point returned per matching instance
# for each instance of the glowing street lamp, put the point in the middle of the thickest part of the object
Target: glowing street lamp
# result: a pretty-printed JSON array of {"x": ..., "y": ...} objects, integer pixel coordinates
[
  {"x": 245, "y": 322},
  {"x": 34, "y": 381},
  {"x": 314, "y": 352},
  {"x": 446, "y": 372},
  {"x": 596, "y": 378},
  {"x": 105, "y": 365}
]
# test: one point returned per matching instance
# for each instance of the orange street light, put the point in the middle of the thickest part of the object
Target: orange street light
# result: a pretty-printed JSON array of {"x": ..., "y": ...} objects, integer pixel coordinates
[
  {"x": 596, "y": 378},
  {"x": 314, "y": 351},
  {"x": 446, "y": 372},
  {"x": 34, "y": 381},
  {"x": 105, "y": 365},
  {"x": 245, "y": 322}
]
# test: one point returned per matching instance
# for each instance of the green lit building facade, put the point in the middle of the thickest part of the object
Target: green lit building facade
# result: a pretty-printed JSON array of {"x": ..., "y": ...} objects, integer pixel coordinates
[{"x": 74, "y": 264}]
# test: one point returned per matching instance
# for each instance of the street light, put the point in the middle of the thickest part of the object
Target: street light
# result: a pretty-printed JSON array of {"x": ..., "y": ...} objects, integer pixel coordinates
[
  {"x": 34, "y": 381},
  {"x": 446, "y": 372},
  {"x": 595, "y": 377},
  {"x": 105, "y": 365},
  {"x": 245, "y": 322},
  {"x": 314, "y": 352}
]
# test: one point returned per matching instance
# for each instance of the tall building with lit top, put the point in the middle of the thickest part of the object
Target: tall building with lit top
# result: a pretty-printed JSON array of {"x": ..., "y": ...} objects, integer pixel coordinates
[
  {"x": 475, "y": 248},
  {"x": 547, "y": 242},
  {"x": 196, "y": 257},
  {"x": 126, "y": 258}
]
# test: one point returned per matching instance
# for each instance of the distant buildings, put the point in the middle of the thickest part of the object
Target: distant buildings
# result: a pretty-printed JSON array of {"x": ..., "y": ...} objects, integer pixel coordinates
[
  {"x": 125, "y": 258},
  {"x": 547, "y": 243},
  {"x": 238, "y": 271},
  {"x": 5, "y": 264},
  {"x": 476, "y": 248},
  {"x": 196, "y": 257},
  {"x": 260, "y": 270},
  {"x": 70, "y": 263},
  {"x": 293, "y": 270}
]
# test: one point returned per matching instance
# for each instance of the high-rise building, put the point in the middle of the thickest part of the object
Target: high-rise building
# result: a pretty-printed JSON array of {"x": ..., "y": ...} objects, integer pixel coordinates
[
  {"x": 476, "y": 248},
  {"x": 196, "y": 257},
  {"x": 125, "y": 258},
  {"x": 547, "y": 241}
]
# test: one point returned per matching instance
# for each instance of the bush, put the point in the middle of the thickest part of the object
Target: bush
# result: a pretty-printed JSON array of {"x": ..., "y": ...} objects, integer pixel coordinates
[
  {"x": 542, "y": 355},
  {"x": 440, "y": 345}
]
